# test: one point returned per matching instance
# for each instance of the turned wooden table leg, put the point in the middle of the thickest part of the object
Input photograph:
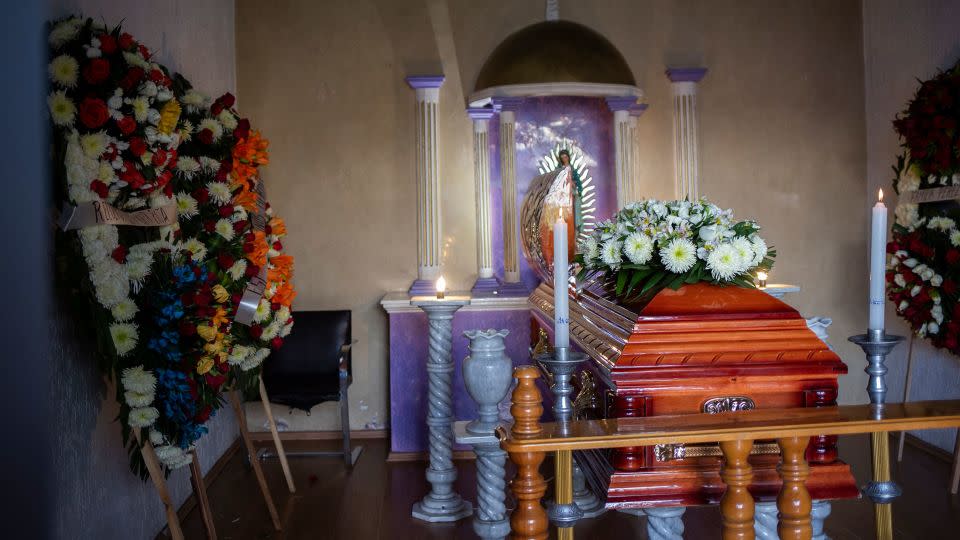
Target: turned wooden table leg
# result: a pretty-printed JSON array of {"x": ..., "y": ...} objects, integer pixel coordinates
[
  {"x": 794, "y": 500},
  {"x": 529, "y": 520},
  {"x": 736, "y": 505}
]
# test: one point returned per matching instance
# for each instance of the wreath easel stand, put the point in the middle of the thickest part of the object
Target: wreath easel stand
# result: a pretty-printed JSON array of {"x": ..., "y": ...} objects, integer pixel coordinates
[
  {"x": 196, "y": 475},
  {"x": 955, "y": 470}
]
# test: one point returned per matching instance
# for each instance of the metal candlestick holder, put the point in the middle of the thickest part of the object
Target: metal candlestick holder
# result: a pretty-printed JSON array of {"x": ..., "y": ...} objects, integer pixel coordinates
[
  {"x": 561, "y": 363},
  {"x": 877, "y": 344}
]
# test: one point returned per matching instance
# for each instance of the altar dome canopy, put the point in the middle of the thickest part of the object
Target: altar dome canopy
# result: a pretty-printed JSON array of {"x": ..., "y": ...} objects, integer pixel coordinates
[{"x": 552, "y": 52}]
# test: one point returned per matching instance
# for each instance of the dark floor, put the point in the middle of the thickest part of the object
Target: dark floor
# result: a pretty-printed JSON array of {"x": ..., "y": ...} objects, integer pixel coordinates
[{"x": 373, "y": 501}]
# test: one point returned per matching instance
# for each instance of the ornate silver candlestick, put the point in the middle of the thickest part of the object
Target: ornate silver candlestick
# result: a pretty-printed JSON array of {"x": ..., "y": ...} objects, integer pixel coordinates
[
  {"x": 561, "y": 364},
  {"x": 877, "y": 344},
  {"x": 442, "y": 503}
]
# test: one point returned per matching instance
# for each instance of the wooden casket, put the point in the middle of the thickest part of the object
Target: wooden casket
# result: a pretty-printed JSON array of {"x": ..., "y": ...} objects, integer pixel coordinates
[{"x": 699, "y": 349}]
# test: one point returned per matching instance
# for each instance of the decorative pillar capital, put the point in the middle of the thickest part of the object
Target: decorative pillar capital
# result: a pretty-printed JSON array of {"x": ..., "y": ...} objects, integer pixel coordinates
[
  {"x": 480, "y": 117},
  {"x": 507, "y": 104},
  {"x": 621, "y": 103},
  {"x": 684, "y": 80},
  {"x": 427, "y": 86},
  {"x": 637, "y": 110}
]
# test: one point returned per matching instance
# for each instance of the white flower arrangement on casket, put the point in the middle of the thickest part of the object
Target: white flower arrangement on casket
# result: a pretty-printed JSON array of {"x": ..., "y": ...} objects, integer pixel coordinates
[{"x": 651, "y": 245}]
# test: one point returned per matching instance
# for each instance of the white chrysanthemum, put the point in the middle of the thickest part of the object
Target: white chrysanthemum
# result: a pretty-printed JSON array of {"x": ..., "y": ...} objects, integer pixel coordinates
[
  {"x": 105, "y": 173},
  {"x": 94, "y": 144},
  {"x": 679, "y": 255},
  {"x": 209, "y": 164},
  {"x": 955, "y": 238},
  {"x": 166, "y": 453},
  {"x": 282, "y": 315},
  {"x": 270, "y": 331},
  {"x": 196, "y": 248},
  {"x": 238, "y": 270},
  {"x": 185, "y": 131},
  {"x": 64, "y": 32},
  {"x": 638, "y": 247},
  {"x": 63, "y": 71},
  {"x": 215, "y": 128},
  {"x": 134, "y": 59},
  {"x": 148, "y": 89},
  {"x": 224, "y": 228},
  {"x": 138, "y": 399},
  {"x": 125, "y": 310},
  {"x": 908, "y": 182},
  {"x": 936, "y": 280},
  {"x": 187, "y": 166},
  {"x": 907, "y": 215},
  {"x": 153, "y": 116},
  {"x": 239, "y": 213},
  {"x": 186, "y": 205},
  {"x": 744, "y": 251},
  {"x": 759, "y": 247},
  {"x": 227, "y": 118},
  {"x": 140, "y": 107},
  {"x": 142, "y": 417},
  {"x": 111, "y": 287},
  {"x": 262, "y": 312},
  {"x": 239, "y": 354},
  {"x": 156, "y": 438},
  {"x": 193, "y": 100},
  {"x": 610, "y": 253},
  {"x": 138, "y": 269},
  {"x": 124, "y": 337},
  {"x": 941, "y": 223},
  {"x": 219, "y": 192},
  {"x": 255, "y": 359},
  {"x": 137, "y": 379},
  {"x": 724, "y": 262},
  {"x": 286, "y": 329},
  {"x": 62, "y": 109}
]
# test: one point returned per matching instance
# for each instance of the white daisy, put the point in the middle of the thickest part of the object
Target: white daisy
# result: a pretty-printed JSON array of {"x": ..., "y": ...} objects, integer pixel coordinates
[
  {"x": 196, "y": 248},
  {"x": 215, "y": 128},
  {"x": 138, "y": 399},
  {"x": 219, "y": 192},
  {"x": 610, "y": 253},
  {"x": 63, "y": 71},
  {"x": 138, "y": 269},
  {"x": 94, "y": 144},
  {"x": 124, "y": 310},
  {"x": 262, "y": 312},
  {"x": 62, "y": 109},
  {"x": 187, "y": 166},
  {"x": 744, "y": 251},
  {"x": 638, "y": 247},
  {"x": 239, "y": 354},
  {"x": 186, "y": 205},
  {"x": 137, "y": 379},
  {"x": 724, "y": 262},
  {"x": 679, "y": 255},
  {"x": 224, "y": 228},
  {"x": 238, "y": 270},
  {"x": 124, "y": 337},
  {"x": 140, "y": 107},
  {"x": 64, "y": 32},
  {"x": 143, "y": 417}
]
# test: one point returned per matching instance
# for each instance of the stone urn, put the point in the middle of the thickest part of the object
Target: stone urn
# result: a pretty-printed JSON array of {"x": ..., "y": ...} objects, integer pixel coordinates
[{"x": 487, "y": 374}]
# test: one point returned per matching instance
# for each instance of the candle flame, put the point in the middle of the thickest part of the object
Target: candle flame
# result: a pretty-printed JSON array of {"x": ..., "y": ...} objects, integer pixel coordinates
[
  {"x": 880, "y": 194},
  {"x": 441, "y": 285},
  {"x": 761, "y": 275}
]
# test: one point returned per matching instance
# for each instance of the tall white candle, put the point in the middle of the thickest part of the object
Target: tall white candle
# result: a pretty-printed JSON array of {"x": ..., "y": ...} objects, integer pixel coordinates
[
  {"x": 878, "y": 250},
  {"x": 561, "y": 312}
]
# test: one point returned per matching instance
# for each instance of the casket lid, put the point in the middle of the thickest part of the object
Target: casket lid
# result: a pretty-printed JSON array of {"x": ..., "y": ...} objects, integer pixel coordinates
[{"x": 696, "y": 330}]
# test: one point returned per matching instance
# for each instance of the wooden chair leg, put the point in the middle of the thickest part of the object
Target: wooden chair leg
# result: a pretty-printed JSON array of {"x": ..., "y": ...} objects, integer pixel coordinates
[
  {"x": 265, "y": 399},
  {"x": 793, "y": 502},
  {"x": 159, "y": 482},
  {"x": 736, "y": 505},
  {"x": 200, "y": 490},
  {"x": 529, "y": 520},
  {"x": 252, "y": 455},
  {"x": 955, "y": 477}
]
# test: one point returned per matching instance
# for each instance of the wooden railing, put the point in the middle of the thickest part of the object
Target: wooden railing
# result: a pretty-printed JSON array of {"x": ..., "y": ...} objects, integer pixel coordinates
[{"x": 528, "y": 441}]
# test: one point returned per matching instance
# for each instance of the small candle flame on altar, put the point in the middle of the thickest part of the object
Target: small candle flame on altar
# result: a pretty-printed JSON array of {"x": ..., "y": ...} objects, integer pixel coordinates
[
  {"x": 441, "y": 287},
  {"x": 880, "y": 195},
  {"x": 762, "y": 279}
]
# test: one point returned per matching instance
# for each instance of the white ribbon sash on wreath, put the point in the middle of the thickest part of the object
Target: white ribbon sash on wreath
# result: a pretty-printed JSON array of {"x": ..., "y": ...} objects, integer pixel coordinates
[
  {"x": 930, "y": 195},
  {"x": 101, "y": 213}
]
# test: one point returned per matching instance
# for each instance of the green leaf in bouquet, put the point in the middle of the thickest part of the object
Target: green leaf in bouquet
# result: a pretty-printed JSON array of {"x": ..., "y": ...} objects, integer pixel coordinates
[
  {"x": 636, "y": 278},
  {"x": 652, "y": 281},
  {"x": 677, "y": 281},
  {"x": 621, "y": 281}
]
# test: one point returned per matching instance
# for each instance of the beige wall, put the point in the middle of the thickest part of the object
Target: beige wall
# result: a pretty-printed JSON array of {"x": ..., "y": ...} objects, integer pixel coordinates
[
  {"x": 97, "y": 495},
  {"x": 903, "y": 41},
  {"x": 781, "y": 131}
]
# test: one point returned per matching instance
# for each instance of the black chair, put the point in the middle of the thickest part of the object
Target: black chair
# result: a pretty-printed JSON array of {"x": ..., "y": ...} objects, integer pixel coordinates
[{"x": 312, "y": 367}]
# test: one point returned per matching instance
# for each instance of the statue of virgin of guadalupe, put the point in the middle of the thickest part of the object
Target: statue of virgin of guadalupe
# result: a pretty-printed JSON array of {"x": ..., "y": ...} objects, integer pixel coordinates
[{"x": 564, "y": 158}]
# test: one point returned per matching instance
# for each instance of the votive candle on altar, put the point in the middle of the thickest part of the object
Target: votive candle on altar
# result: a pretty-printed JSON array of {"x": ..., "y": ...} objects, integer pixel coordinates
[
  {"x": 878, "y": 251},
  {"x": 561, "y": 305}
]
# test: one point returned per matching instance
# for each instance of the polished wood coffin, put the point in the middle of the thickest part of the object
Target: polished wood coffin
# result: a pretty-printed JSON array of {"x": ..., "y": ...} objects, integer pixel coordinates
[{"x": 701, "y": 348}]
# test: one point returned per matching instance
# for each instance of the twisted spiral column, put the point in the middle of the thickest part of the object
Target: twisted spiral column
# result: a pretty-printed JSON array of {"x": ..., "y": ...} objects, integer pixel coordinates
[
  {"x": 765, "y": 520},
  {"x": 442, "y": 503},
  {"x": 662, "y": 523}
]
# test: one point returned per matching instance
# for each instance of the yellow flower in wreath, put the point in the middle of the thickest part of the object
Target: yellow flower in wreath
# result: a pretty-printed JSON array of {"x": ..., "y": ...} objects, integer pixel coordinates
[
  {"x": 204, "y": 365},
  {"x": 207, "y": 332}
]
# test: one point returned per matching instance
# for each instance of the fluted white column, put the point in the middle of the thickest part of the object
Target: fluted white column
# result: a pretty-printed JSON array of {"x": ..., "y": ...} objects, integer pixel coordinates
[
  {"x": 428, "y": 183},
  {"x": 486, "y": 283},
  {"x": 508, "y": 178},
  {"x": 622, "y": 147},
  {"x": 635, "y": 190},
  {"x": 686, "y": 155}
]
